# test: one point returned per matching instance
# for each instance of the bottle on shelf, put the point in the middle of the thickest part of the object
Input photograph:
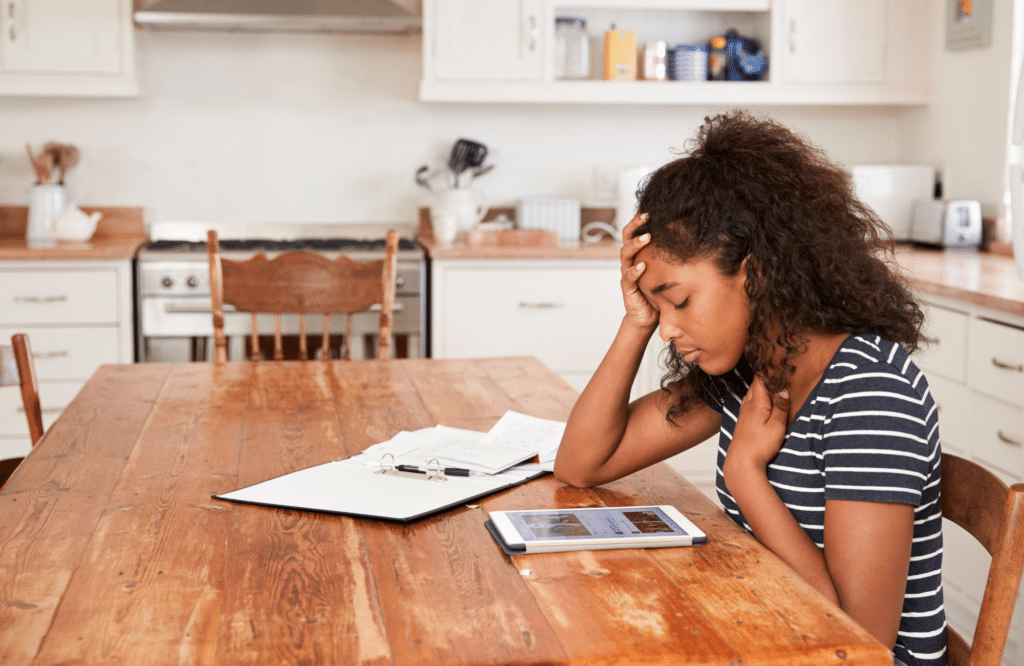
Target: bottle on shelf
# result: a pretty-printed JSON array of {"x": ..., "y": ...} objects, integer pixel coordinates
[
  {"x": 620, "y": 55},
  {"x": 717, "y": 59}
]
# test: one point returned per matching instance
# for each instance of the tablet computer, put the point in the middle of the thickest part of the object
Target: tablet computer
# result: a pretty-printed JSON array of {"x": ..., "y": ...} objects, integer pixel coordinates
[{"x": 598, "y": 528}]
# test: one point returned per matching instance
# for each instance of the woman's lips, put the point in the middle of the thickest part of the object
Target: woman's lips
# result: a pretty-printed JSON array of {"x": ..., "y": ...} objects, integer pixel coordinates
[{"x": 690, "y": 355}]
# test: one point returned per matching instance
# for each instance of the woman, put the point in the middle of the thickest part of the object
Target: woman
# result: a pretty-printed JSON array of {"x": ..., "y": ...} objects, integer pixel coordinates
[{"x": 790, "y": 336}]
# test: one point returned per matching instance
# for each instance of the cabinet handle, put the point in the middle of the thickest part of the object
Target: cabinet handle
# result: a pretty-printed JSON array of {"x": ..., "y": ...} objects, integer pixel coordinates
[
  {"x": 541, "y": 305},
  {"x": 45, "y": 410},
  {"x": 1009, "y": 440},
  {"x": 10, "y": 15},
  {"x": 40, "y": 299},
  {"x": 792, "y": 35},
  {"x": 1007, "y": 366},
  {"x": 52, "y": 354},
  {"x": 534, "y": 34}
]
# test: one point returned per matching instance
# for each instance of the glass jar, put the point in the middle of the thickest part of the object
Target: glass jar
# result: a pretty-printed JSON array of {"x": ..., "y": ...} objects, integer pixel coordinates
[{"x": 572, "y": 48}]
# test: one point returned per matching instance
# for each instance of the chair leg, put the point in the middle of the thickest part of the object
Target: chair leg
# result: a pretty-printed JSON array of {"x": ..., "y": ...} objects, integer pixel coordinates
[
  {"x": 255, "y": 340},
  {"x": 325, "y": 349}
]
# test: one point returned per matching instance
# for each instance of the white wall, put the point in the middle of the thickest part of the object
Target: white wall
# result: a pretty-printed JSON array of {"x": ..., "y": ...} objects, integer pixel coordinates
[
  {"x": 965, "y": 129},
  {"x": 327, "y": 128}
]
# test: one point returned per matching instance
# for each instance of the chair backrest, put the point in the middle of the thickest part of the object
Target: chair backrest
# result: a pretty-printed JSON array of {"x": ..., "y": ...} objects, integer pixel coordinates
[
  {"x": 303, "y": 283},
  {"x": 18, "y": 369},
  {"x": 978, "y": 501}
]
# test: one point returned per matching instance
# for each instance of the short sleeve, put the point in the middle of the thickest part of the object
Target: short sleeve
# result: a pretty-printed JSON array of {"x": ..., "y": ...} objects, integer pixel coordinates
[{"x": 880, "y": 435}]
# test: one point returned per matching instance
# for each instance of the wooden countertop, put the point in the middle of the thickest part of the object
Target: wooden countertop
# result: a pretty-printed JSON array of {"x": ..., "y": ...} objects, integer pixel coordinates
[
  {"x": 119, "y": 235},
  {"x": 607, "y": 248},
  {"x": 980, "y": 278}
]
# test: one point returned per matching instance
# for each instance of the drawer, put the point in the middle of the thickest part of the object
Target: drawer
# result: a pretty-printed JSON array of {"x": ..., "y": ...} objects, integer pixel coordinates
[
  {"x": 566, "y": 318},
  {"x": 955, "y": 407},
  {"x": 998, "y": 435},
  {"x": 995, "y": 360},
  {"x": 946, "y": 352},
  {"x": 53, "y": 398},
  {"x": 58, "y": 297},
  {"x": 15, "y": 447},
  {"x": 69, "y": 353},
  {"x": 965, "y": 563}
]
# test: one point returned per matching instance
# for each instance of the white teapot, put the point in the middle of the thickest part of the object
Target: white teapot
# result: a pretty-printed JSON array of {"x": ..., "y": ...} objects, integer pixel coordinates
[{"x": 73, "y": 224}]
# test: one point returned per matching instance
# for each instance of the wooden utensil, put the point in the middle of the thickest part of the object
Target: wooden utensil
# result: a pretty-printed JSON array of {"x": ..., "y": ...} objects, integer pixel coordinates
[{"x": 42, "y": 164}]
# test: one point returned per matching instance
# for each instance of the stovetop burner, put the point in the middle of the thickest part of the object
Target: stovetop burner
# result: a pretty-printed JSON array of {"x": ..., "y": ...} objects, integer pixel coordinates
[{"x": 267, "y": 245}]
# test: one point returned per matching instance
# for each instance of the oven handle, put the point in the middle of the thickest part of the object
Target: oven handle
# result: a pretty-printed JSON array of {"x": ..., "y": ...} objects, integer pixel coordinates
[{"x": 175, "y": 308}]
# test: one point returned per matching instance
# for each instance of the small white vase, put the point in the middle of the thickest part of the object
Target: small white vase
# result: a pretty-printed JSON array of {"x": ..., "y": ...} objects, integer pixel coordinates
[{"x": 46, "y": 202}]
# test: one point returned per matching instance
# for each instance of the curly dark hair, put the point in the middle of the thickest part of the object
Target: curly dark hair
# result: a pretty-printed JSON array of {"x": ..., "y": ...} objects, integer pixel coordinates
[{"x": 818, "y": 259}]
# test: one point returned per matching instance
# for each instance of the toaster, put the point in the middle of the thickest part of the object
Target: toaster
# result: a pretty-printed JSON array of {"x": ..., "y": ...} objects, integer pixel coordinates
[{"x": 946, "y": 223}]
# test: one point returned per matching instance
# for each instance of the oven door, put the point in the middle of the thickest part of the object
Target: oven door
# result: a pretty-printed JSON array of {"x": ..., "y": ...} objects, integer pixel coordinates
[{"x": 180, "y": 329}]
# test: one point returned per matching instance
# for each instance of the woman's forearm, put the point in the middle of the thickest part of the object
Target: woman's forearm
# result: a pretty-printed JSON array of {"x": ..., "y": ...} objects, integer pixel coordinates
[
  {"x": 598, "y": 419},
  {"x": 774, "y": 525}
]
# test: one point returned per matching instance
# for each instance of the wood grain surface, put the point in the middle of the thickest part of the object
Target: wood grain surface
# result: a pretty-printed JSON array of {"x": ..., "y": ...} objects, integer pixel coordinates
[{"x": 112, "y": 550}]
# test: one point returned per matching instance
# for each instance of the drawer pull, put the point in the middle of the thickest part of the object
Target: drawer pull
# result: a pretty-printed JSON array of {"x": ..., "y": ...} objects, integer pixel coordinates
[
  {"x": 541, "y": 305},
  {"x": 53, "y": 354},
  {"x": 1008, "y": 440},
  {"x": 45, "y": 410},
  {"x": 40, "y": 299},
  {"x": 1007, "y": 366}
]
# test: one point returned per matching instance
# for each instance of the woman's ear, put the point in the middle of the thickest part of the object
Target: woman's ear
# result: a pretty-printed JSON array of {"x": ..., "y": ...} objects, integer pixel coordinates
[{"x": 744, "y": 270}]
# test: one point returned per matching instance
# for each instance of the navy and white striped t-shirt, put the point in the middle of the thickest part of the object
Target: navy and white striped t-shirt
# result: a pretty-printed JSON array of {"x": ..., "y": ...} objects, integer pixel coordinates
[{"x": 868, "y": 432}]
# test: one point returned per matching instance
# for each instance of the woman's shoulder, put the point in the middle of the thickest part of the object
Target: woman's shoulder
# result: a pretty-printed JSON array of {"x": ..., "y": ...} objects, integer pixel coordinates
[{"x": 867, "y": 361}]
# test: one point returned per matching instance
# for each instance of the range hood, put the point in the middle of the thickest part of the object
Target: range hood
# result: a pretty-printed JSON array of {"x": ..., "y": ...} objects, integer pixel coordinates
[{"x": 280, "y": 15}]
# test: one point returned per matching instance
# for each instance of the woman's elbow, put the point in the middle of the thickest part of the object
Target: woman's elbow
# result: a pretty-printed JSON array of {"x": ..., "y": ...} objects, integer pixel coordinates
[{"x": 574, "y": 477}]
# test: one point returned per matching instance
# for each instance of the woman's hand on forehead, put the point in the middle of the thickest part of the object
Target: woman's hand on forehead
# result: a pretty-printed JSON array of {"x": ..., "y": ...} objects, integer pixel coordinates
[{"x": 639, "y": 310}]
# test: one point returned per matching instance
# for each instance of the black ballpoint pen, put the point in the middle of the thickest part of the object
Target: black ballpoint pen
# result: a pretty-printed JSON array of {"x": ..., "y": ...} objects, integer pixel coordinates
[{"x": 447, "y": 471}]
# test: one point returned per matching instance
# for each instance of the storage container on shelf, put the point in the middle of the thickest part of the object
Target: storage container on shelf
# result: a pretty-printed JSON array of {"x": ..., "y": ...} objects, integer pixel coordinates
[{"x": 572, "y": 48}]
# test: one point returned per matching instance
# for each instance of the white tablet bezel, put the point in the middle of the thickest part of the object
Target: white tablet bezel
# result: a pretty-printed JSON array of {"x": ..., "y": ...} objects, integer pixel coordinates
[{"x": 514, "y": 540}]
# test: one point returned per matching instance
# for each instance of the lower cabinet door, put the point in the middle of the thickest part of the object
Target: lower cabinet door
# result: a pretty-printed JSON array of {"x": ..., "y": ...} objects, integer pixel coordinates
[
  {"x": 54, "y": 397},
  {"x": 567, "y": 318}
]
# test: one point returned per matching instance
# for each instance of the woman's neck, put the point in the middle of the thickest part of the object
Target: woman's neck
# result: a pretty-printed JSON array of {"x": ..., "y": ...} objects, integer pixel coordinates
[{"x": 810, "y": 365}]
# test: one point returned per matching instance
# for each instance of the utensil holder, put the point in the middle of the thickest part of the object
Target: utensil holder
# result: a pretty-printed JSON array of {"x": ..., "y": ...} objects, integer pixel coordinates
[{"x": 46, "y": 202}]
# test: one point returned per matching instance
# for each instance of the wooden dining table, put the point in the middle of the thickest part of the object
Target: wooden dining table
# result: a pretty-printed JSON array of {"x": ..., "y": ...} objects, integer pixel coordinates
[{"x": 112, "y": 550}]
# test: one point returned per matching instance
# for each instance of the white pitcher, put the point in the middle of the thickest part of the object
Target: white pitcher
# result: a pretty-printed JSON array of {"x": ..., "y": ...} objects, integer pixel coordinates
[
  {"x": 45, "y": 203},
  {"x": 456, "y": 210}
]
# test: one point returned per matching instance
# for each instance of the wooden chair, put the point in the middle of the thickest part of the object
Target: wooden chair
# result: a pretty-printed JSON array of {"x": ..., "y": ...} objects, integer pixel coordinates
[
  {"x": 303, "y": 283},
  {"x": 18, "y": 369},
  {"x": 976, "y": 500}
]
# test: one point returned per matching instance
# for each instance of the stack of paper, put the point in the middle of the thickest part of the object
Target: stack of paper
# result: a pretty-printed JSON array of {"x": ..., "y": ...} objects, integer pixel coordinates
[{"x": 514, "y": 438}]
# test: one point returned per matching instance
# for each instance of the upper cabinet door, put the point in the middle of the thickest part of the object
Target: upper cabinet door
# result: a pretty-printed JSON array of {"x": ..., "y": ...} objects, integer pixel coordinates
[
  {"x": 835, "y": 41},
  {"x": 488, "y": 40},
  {"x": 72, "y": 36}
]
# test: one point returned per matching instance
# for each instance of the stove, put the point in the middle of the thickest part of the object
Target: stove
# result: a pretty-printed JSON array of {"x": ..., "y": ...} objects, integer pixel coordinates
[{"x": 173, "y": 293}]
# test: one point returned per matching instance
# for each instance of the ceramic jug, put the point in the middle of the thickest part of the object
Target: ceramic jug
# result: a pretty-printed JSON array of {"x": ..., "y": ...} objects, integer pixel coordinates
[
  {"x": 73, "y": 224},
  {"x": 45, "y": 203},
  {"x": 456, "y": 210}
]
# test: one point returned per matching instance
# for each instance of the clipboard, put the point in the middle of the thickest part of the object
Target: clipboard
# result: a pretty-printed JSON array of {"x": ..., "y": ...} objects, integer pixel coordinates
[{"x": 352, "y": 488}]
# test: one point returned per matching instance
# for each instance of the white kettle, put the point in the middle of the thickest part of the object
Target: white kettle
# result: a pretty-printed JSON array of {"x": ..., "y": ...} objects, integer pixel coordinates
[{"x": 73, "y": 224}]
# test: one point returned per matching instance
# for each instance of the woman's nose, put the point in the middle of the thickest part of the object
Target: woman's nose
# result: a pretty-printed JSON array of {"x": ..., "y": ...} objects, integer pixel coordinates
[{"x": 666, "y": 330}]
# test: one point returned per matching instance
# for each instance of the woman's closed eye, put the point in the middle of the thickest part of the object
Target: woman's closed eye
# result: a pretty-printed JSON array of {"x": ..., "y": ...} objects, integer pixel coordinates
[{"x": 683, "y": 304}]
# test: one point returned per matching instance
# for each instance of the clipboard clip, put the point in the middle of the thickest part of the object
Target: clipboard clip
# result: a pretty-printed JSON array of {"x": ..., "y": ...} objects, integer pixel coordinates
[{"x": 433, "y": 472}]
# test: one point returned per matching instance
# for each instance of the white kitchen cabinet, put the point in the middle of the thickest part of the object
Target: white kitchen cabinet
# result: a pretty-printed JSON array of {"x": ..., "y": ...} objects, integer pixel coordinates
[
  {"x": 834, "y": 41},
  {"x": 67, "y": 48},
  {"x": 508, "y": 49},
  {"x": 975, "y": 368},
  {"x": 564, "y": 312},
  {"x": 819, "y": 51},
  {"x": 78, "y": 315}
]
